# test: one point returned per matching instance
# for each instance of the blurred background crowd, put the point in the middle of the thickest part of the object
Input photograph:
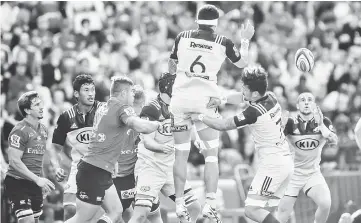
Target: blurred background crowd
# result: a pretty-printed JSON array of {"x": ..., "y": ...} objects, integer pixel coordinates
[{"x": 44, "y": 45}]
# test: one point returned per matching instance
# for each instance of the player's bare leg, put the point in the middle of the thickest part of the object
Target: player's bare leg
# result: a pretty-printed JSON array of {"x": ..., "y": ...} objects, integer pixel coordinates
[
  {"x": 142, "y": 208},
  {"x": 256, "y": 211},
  {"x": 127, "y": 214},
  {"x": 210, "y": 138},
  {"x": 182, "y": 138},
  {"x": 285, "y": 208},
  {"x": 85, "y": 212},
  {"x": 155, "y": 216},
  {"x": 69, "y": 205},
  {"x": 321, "y": 195},
  {"x": 113, "y": 207}
]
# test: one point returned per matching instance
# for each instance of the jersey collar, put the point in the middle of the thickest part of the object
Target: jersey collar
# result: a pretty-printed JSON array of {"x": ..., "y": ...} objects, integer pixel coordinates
[
  {"x": 79, "y": 112},
  {"x": 302, "y": 120},
  {"x": 31, "y": 125},
  {"x": 261, "y": 99}
]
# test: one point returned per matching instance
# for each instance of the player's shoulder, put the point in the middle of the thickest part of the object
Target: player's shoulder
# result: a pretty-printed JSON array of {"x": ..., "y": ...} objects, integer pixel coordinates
[
  {"x": 69, "y": 113},
  {"x": 98, "y": 104},
  {"x": 19, "y": 127},
  {"x": 254, "y": 110}
]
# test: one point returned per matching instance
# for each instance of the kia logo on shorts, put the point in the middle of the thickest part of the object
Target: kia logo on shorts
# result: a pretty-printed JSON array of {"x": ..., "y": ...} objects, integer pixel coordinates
[
  {"x": 84, "y": 137},
  {"x": 307, "y": 144}
]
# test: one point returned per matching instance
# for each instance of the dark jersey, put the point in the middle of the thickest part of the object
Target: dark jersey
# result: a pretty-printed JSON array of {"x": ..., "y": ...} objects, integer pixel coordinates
[
  {"x": 306, "y": 141},
  {"x": 32, "y": 141},
  {"x": 111, "y": 137},
  {"x": 74, "y": 130}
]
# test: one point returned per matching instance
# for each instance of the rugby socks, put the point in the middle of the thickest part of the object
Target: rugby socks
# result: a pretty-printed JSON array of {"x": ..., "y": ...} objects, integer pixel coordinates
[
  {"x": 211, "y": 199},
  {"x": 270, "y": 219}
]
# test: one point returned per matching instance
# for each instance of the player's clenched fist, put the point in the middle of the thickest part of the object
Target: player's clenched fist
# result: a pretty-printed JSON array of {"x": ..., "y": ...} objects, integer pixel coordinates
[
  {"x": 60, "y": 174},
  {"x": 247, "y": 31},
  {"x": 46, "y": 184}
]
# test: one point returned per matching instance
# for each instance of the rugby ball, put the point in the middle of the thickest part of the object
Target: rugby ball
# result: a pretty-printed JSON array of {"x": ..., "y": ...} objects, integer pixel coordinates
[{"x": 304, "y": 60}]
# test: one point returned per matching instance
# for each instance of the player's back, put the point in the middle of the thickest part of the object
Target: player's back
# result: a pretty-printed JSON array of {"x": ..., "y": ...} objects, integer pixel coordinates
[
  {"x": 156, "y": 110},
  {"x": 266, "y": 131},
  {"x": 306, "y": 142},
  {"x": 200, "y": 53},
  {"x": 109, "y": 135}
]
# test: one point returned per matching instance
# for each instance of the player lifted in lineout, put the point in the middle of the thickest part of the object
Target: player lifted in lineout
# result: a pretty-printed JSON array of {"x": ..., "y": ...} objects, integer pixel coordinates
[
  {"x": 24, "y": 183},
  {"x": 263, "y": 117},
  {"x": 72, "y": 135},
  {"x": 307, "y": 134},
  {"x": 196, "y": 58},
  {"x": 112, "y": 123},
  {"x": 154, "y": 167}
]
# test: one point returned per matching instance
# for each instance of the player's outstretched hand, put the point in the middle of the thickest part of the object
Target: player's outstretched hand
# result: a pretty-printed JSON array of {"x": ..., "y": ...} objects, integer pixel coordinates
[
  {"x": 317, "y": 114},
  {"x": 46, "y": 184},
  {"x": 214, "y": 102},
  {"x": 60, "y": 174},
  {"x": 247, "y": 31},
  {"x": 168, "y": 148}
]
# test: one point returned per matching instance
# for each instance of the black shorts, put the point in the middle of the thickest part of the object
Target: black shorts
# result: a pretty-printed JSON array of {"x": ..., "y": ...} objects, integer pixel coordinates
[
  {"x": 24, "y": 195},
  {"x": 92, "y": 182},
  {"x": 126, "y": 189}
]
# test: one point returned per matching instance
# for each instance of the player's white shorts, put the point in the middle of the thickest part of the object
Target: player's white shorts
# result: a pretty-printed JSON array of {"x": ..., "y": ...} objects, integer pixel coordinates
[
  {"x": 151, "y": 179},
  {"x": 304, "y": 182},
  {"x": 183, "y": 106},
  {"x": 270, "y": 182},
  {"x": 70, "y": 186}
]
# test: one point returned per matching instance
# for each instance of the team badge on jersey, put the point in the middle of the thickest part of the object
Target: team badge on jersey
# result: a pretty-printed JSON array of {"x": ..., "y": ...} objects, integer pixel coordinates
[
  {"x": 240, "y": 117},
  {"x": 15, "y": 141}
]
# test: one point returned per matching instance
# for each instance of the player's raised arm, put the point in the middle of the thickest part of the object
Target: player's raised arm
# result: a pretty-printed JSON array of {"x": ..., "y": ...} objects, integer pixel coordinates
[
  {"x": 173, "y": 59},
  {"x": 358, "y": 133},
  {"x": 240, "y": 59}
]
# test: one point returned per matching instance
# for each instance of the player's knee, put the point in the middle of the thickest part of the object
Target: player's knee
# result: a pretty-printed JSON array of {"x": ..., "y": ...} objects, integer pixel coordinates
[
  {"x": 212, "y": 145},
  {"x": 25, "y": 216},
  {"x": 324, "y": 204},
  {"x": 69, "y": 211}
]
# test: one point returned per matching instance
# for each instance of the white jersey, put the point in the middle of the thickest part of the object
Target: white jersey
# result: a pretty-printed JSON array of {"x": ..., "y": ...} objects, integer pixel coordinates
[
  {"x": 157, "y": 110},
  {"x": 200, "y": 54},
  {"x": 263, "y": 118},
  {"x": 306, "y": 142}
]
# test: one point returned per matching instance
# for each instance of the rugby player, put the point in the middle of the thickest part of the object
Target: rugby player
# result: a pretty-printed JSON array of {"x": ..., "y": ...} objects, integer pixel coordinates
[
  {"x": 263, "y": 117},
  {"x": 154, "y": 168},
  {"x": 123, "y": 178},
  {"x": 24, "y": 184},
  {"x": 72, "y": 136},
  {"x": 358, "y": 133},
  {"x": 196, "y": 58},
  {"x": 112, "y": 123},
  {"x": 307, "y": 134}
]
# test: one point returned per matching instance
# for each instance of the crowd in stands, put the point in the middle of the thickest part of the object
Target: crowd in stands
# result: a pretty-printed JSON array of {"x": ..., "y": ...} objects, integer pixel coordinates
[{"x": 45, "y": 44}]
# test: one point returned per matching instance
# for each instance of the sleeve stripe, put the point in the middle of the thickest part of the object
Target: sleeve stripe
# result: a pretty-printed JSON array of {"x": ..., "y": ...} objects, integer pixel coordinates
[
  {"x": 262, "y": 108},
  {"x": 216, "y": 40},
  {"x": 259, "y": 109},
  {"x": 155, "y": 103}
]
